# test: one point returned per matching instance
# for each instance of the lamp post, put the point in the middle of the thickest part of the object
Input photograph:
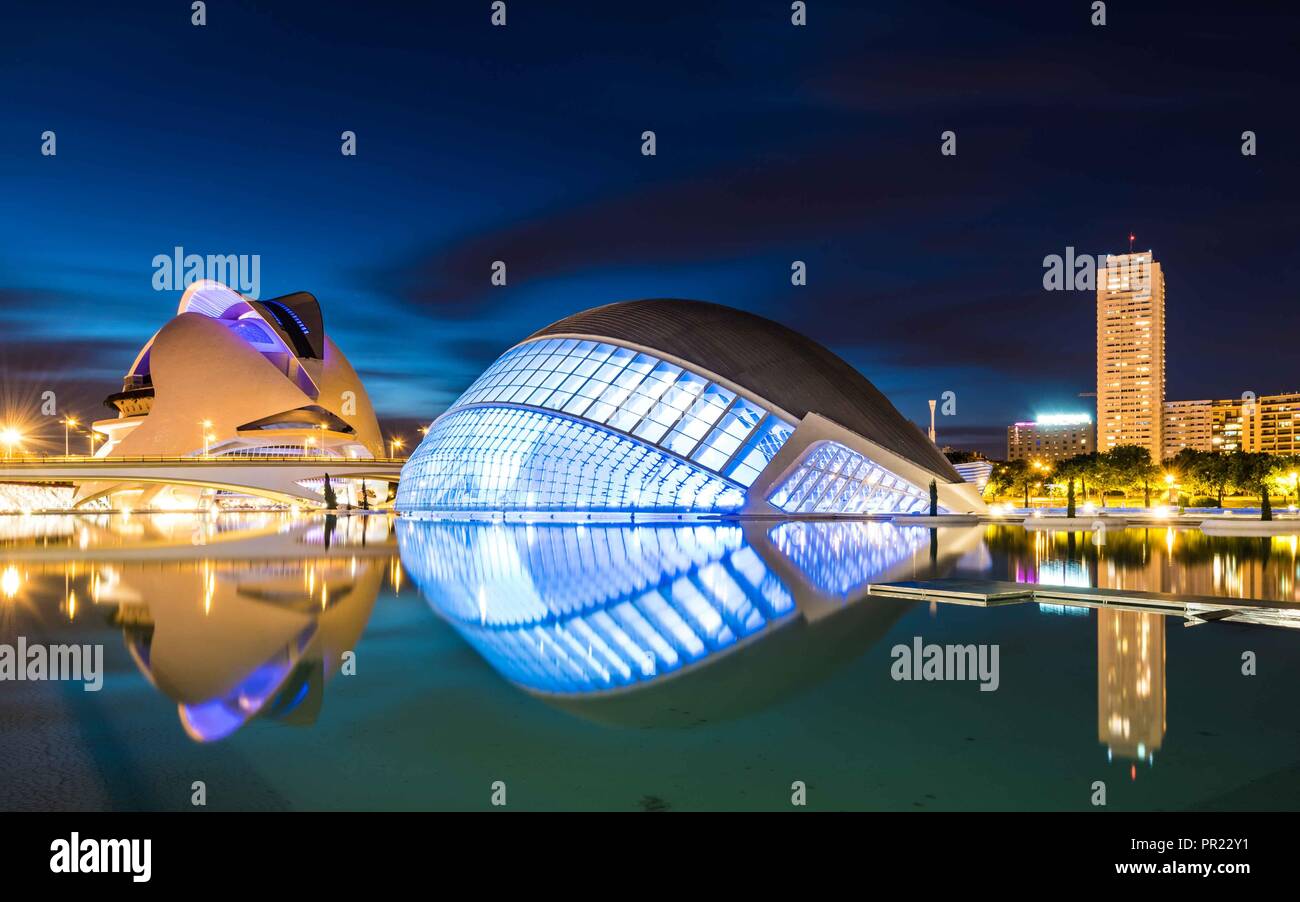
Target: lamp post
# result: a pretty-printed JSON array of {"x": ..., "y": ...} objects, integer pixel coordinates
[
  {"x": 207, "y": 435},
  {"x": 394, "y": 444},
  {"x": 92, "y": 437},
  {"x": 1169, "y": 481},
  {"x": 67, "y": 421}
]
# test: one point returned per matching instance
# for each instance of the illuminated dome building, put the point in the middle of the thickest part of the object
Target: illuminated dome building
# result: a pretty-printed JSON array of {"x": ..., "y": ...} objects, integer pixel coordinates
[
  {"x": 233, "y": 376},
  {"x": 676, "y": 406}
]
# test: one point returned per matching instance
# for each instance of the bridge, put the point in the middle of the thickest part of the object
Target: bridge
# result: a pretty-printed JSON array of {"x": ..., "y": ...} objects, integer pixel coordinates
[{"x": 277, "y": 479}]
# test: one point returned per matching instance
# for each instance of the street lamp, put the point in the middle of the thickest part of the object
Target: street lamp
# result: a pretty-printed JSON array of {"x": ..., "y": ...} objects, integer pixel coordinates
[
  {"x": 93, "y": 436},
  {"x": 1169, "y": 481},
  {"x": 68, "y": 421},
  {"x": 10, "y": 438},
  {"x": 207, "y": 436},
  {"x": 394, "y": 445}
]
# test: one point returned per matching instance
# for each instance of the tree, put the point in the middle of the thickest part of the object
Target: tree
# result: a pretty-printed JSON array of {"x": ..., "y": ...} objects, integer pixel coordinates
[
  {"x": 331, "y": 501},
  {"x": 1013, "y": 476},
  {"x": 1069, "y": 499},
  {"x": 934, "y": 498},
  {"x": 1080, "y": 467},
  {"x": 1077, "y": 467},
  {"x": 1132, "y": 465},
  {"x": 1211, "y": 470},
  {"x": 1251, "y": 473},
  {"x": 1107, "y": 475},
  {"x": 365, "y": 497}
]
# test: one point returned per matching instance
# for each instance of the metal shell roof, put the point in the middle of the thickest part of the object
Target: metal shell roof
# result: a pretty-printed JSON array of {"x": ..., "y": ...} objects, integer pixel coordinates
[{"x": 774, "y": 362}]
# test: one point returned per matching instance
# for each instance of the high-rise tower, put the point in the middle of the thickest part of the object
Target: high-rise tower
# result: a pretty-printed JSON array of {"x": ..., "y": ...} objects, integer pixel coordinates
[{"x": 1131, "y": 353}]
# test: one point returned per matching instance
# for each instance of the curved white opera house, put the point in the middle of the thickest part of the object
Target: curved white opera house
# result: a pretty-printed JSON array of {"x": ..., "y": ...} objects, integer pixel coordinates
[{"x": 230, "y": 376}]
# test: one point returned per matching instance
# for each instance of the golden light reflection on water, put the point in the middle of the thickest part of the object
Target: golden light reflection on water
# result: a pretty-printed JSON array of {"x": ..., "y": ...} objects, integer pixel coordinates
[{"x": 249, "y": 621}]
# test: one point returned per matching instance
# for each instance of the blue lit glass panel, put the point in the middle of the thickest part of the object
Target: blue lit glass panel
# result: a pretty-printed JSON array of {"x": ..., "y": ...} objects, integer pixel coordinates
[
  {"x": 503, "y": 458},
  {"x": 570, "y": 609},
  {"x": 633, "y": 392},
  {"x": 758, "y": 450},
  {"x": 835, "y": 480}
]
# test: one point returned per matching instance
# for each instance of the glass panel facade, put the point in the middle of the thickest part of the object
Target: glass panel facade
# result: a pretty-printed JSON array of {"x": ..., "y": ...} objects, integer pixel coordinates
[
  {"x": 575, "y": 609},
  {"x": 638, "y": 394},
  {"x": 509, "y": 458},
  {"x": 834, "y": 480}
]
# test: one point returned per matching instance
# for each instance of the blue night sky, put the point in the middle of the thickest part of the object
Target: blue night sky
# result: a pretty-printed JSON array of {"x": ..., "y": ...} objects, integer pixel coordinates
[{"x": 775, "y": 143}]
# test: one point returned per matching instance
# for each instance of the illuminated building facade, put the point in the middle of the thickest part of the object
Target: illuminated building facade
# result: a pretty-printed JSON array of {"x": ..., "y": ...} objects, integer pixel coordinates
[
  {"x": 1131, "y": 353},
  {"x": 1188, "y": 424},
  {"x": 1051, "y": 437},
  {"x": 675, "y": 406},
  {"x": 1269, "y": 424},
  {"x": 230, "y": 376}
]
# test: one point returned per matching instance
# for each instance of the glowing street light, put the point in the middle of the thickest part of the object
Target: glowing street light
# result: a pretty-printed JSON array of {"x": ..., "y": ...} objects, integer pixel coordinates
[
  {"x": 10, "y": 438},
  {"x": 394, "y": 444},
  {"x": 207, "y": 436},
  {"x": 93, "y": 437},
  {"x": 68, "y": 421}
]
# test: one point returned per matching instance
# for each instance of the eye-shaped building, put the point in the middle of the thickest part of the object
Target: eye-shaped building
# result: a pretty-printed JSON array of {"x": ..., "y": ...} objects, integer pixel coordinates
[{"x": 676, "y": 406}]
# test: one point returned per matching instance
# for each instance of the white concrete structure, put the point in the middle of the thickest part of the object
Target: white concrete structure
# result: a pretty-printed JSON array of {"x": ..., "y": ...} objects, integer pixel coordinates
[{"x": 232, "y": 376}]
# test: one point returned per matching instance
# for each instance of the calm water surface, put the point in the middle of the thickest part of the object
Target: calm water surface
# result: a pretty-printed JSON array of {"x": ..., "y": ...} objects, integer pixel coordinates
[{"x": 646, "y": 667}]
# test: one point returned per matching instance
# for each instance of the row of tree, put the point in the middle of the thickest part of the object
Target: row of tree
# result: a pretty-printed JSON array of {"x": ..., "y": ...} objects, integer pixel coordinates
[{"x": 1128, "y": 470}]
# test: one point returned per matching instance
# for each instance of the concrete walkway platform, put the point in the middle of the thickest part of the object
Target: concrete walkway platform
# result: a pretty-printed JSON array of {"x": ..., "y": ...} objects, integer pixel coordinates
[{"x": 1196, "y": 608}]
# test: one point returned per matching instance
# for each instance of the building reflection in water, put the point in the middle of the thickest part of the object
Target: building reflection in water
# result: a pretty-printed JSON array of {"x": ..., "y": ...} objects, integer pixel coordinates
[
  {"x": 237, "y": 618},
  {"x": 249, "y": 627},
  {"x": 562, "y": 608},
  {"x": 660, "y": 623},
  {"x": 1130, "y": 683}
]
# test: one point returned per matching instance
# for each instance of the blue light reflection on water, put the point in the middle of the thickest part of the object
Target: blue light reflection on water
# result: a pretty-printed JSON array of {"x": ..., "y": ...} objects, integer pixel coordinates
[
  {"x": 561, "y": 608},
  {"x": 843, "y": 557}
]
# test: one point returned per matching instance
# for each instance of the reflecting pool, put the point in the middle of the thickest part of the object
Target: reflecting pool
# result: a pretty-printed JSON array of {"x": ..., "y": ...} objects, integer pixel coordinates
[{"x": 360, "y": 662}]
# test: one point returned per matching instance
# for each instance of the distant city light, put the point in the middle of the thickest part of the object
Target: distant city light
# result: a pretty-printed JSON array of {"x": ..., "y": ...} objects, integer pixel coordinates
[{"x": 1062, "y": 419}]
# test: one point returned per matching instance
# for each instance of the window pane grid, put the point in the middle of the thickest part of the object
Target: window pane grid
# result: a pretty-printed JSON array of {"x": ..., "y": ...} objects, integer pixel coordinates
[
  {"x": 834, "y": 479},
  {"x": 638, "y": 394}
]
